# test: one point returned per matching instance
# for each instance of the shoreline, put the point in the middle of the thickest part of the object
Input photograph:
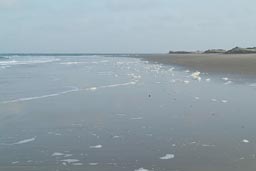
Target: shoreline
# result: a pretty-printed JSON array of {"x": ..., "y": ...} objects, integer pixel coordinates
[{"x": 235, "y": 64}]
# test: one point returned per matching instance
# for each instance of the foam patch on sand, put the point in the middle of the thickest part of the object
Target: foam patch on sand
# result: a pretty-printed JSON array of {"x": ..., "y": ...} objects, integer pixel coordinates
[
  {"x": 196, "y": 75},
  {"x": 167, "y": 157}
]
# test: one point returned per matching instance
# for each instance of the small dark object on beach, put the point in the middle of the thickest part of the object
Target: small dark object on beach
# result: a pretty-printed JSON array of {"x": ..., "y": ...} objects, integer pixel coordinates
[{"x": 149, "y": 95}]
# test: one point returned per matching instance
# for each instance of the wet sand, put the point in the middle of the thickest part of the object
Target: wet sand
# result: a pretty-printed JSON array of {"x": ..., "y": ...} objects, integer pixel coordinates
[{"x": 238, "y": 64}]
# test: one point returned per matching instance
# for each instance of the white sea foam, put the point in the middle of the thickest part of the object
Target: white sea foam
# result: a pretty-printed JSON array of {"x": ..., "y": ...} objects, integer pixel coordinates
[
  {"x": 208, "y": 145},
  {"x": 225, "y": 78},
  {"x": 66, "y": 92},
  {"x": 246, "y": 141},
  {"x": 228, "y": 82},
  {"x": 54, "y": 133},
  {"x": 137, "y": 118},
  {"x": 83, "y": 62},
  {"x": 224, "y": 101},
  {"x": 77, "y": 164},
  {"x": 39, "y": 97},
  {"x": 92, "y": 88},
  {"x": 30, "y": 98},
  {"x": 4, "y": 67},
  {"x": 68, "y": 155},
  {"x": 24, "y": 141},
  {"x": 167, "y": 157},
  {"x": 93, "y": 164},
  {"x": 214, "y": 100},
  {"x": 208, "y": 80},
  {"x": 27, "y": 62},
  {"x": 70, "y": 160},
  {"x": 106, "y": 73},
  {"x": 110, "y": 86},
  {"x": 121, "y": 115},
  {"x": 96, "y": 146},
  {"x": 141, "y": 169},
  {"x": 186, "y": 82},
  {"x": 197, "y": 98},
  {"x": 253, "y": 85},
  {"x": 134, "y": 76},
  {"x": 57, "y": 154},
  {"x": 73, "y": 63},
  {"x": 171, "y": 69},
  {"x": 9, "y": 63}
]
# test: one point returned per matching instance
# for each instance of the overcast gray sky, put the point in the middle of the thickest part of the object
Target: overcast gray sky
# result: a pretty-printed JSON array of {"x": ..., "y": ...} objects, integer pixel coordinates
[{"x": 143, "y": 26}]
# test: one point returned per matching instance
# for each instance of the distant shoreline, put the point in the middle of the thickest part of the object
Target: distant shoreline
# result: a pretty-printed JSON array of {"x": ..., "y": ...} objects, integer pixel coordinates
[
  {"x": 237, "y": 64},
  {"x": 221, "y": 63},
  {"x": 235, "y": 50}
]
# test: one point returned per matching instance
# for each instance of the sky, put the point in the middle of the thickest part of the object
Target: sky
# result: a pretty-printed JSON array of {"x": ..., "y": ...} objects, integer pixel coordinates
[{"x": 125, "y": 26}]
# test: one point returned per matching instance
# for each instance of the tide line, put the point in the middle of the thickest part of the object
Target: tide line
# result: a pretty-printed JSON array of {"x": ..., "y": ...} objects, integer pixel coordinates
[{"x": 66, "y": 92}]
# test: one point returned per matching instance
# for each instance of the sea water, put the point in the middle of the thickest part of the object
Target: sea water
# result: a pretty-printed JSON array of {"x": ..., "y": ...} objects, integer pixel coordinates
[{"x": 113, "y": 113}]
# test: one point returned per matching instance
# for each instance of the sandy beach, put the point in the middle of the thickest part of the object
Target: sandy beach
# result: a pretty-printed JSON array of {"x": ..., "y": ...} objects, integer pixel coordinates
[{"x": 238, "y": 64}]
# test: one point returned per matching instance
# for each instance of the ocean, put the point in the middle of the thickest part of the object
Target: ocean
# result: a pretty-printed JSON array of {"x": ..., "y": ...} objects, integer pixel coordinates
[{"x": 117, "y": 112}]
